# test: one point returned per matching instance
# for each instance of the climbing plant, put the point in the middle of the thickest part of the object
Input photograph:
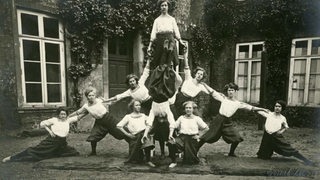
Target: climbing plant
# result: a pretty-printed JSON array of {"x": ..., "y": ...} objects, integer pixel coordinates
[
  {"x": 274, "y": 21},
  {"x": 89, "y": 22}
]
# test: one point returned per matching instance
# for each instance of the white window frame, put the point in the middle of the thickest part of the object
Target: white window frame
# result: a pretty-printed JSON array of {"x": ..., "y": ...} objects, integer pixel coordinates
[
  {"x": 308, "y": 58},
  {"x": 42, "y": 40},
  {"x": 249, "y": 60}
]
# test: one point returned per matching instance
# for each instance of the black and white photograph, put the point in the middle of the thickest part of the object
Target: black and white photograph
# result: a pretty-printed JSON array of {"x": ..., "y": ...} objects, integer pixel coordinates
[{"x": 160, "y": 89}]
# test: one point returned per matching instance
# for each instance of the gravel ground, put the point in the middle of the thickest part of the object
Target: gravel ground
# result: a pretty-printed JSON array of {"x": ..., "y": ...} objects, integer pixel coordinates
[{"x": 307, "y": 141}]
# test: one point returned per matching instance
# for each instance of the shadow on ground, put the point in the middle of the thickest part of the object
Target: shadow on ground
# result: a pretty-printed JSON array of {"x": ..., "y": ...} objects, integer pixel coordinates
[{"x": 217, "y": 164}]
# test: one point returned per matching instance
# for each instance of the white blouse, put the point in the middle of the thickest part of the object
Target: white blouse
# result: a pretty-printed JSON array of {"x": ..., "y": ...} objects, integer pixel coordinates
[
  {"x": 59, "y": 128},
  {"x": 229, "y": 107},
  {"x": 189, "y": 88},
  {"x": 190, "y": 126},
  {"x": 141, "y": 93},
  {"x": 274, "y": 122},
  {"x": 165, "y": 24},
  {"x": 134, "y": 124},
  {"x": 97, "y": 110}
]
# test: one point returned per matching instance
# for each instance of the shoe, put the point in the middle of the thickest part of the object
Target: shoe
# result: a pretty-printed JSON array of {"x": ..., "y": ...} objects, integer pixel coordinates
[
  {"x": 151, "y": 164},
  {"x": 232, "y": 155},
  {"x": 7, "y": 159},
  {"x": 162, "y": 156},
  {"x": 92, "y": 154},
  {"x": 172, "y": 165}
]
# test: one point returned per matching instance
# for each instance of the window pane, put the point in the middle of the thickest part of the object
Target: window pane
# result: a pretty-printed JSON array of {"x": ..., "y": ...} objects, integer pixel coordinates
[
  {"x": 297, "y": 96},
  {"x": 315, "y": 47},
  {"x": 242, "y": 94},
  {"x": 53, "y": 72},
  {"x": 256, "y": 68},
  {"x": 243, "y": 68},
  {"x": 54, "y": 93},
  {"x": 301, "y": 48},
  {"x": 254, "y": 96},
  {"x": 32, "y": 71},
  {"x": 52, "y": 52},
  {"x": 33, "y": 93},
  {"x": 31, "y": 50},
  {"x": 51, "y": 27},
  {"x": 298, "y": 81},
  {"x": 112, "y": 45},
  {"x": 243, "y": 52},
  {"x": 314, "y": 82},
  {"x": 299, "y": 66},
  {"x": 256, "y": 51},
  {"x": 315, "y": 66},
  {"x": 29, "y": 24}
]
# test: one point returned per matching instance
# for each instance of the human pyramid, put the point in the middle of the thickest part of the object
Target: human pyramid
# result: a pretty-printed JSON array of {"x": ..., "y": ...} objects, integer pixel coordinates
[{"x": 151, "y": 111}]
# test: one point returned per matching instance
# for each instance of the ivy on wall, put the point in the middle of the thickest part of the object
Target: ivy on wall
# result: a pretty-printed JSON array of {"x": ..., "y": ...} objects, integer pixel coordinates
[
  {"x": 89, "y": 22},
  {"x": 276, "y": 22}
]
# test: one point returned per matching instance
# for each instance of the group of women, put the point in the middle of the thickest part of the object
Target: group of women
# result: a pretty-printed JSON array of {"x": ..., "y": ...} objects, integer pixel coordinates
[{"x": 151, "y": 111}]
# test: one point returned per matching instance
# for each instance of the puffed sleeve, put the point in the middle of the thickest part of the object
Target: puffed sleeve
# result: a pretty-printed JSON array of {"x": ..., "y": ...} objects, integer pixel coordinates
[
  {"x": 176, "y": 29},
  {"x": 123, "y": 95},
  {"x": 123, "y": 122},
  {"x": 154, "y": 30},
  {"x": 201, "y": 123},
  {"x": 284, "y": 123},
  {"x": 144, "y": 76},
  {"x": 48, "y": 122}
]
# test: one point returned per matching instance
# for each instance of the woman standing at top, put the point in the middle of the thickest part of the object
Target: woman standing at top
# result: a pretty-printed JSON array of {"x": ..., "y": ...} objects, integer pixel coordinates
[
  {"x": 190, "y": 88},
  {"x": 164, "y": 32}
]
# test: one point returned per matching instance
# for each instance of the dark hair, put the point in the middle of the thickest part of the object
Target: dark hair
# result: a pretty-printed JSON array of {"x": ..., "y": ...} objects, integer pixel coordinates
[
  {"x": 89, "y": 90},
  {"x": 200, "y": 69},
  {"x": 282, "y": 103},
  {"x": 162, "y": 1},
  {"x": 131, "y": 104},
  {"x": 62, "y": 109},
  {"x": 231, "y": 85},
  {"x": 130, "y": 76}
]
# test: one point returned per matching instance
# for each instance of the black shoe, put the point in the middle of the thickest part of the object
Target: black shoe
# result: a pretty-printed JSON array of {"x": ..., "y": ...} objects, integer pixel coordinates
[
  {"x": 232, "y": 155},
  {"x": 92, "y": 154}
]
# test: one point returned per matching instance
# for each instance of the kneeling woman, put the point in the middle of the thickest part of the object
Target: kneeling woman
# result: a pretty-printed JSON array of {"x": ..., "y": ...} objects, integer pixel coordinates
[
  {"x": 55, "y": 145},
  {"x": 135, "y": 123},
  {"x": 187, "y": 141}
]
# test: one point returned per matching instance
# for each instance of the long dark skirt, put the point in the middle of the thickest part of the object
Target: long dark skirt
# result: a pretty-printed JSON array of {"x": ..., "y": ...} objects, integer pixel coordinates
[
  {"x": 222, "y": 126},
  {"x": 187, "y": 145},
  {"x": 50, "y": 147},
  {"x": 160, "y": 130},
  {"x": 275, "y": 143},
  {"x": 136, "y": 148},
  {"x": 146, "y": 106},
  {"x": 162, "y": 83},
  {"x": 162, "y": 78},
  {"x": 178, "y": 105},
  {"x": 103, "y": 126},
  {"x": 165, "y": 50}
]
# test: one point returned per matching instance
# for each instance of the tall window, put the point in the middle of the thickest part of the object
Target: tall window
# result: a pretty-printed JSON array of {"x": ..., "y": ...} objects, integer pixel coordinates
[
  {"x": 248, "y": 71},
  {"x": 42, "y": 59},
  {"x": 304, "y": 82}
]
